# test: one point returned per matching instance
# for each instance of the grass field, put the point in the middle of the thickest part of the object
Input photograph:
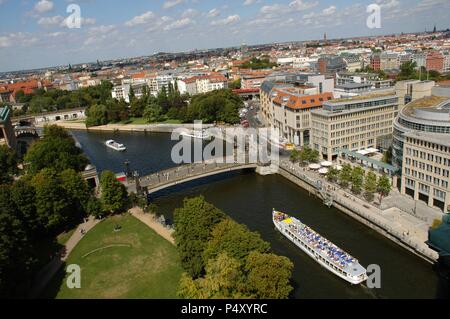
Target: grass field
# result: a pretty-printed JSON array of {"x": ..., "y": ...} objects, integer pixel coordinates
[{"x": 132, "y": 263}]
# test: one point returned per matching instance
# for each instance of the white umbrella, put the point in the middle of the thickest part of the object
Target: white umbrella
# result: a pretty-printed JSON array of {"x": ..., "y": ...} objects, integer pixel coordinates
[
  {"x": 314, "y": 166},
  {"x": 323, "y": 171},
  {"x": 338, "y": 167},
  {"x": 326, "y": 164}
]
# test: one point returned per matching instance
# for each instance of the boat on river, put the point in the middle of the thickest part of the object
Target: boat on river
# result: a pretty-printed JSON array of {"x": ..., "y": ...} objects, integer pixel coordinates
[
  {"x": 324, "y": 252},
  {"x": 115, "y": 145}
]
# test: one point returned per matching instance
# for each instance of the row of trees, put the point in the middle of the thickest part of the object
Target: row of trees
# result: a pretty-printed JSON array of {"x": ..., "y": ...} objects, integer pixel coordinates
[
  {"x": 169, "y": 104},
  {"x": 358, "y": 181},
  {"x": 223, "y": 259},
  {"x": 49, "y": 198},
  {"x": 52, "y": 100},
  {"x": 306, "y": 155},
  {"x": 258, "y": 64}
]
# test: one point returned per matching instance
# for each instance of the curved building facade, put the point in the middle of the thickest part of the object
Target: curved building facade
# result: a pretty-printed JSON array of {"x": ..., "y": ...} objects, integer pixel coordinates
[{"x": 427, "y": 115}]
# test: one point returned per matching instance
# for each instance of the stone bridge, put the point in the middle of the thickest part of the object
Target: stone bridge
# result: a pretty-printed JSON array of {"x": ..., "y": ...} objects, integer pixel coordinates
[{"x": 186, "y": 173}]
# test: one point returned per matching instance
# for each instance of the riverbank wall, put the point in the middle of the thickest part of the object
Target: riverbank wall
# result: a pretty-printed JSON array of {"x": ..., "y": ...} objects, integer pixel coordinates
[
  {"x": 151, "y": 128},
  {"x": 365, "y": 217}
]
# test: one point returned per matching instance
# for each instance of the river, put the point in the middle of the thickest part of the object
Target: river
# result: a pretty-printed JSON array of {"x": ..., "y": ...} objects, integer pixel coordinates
[{"x": 249, "y": 198}]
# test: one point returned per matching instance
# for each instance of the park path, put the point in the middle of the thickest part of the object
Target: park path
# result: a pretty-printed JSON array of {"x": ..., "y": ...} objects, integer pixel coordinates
[
  {"x": 150, "y": 221},
  {"x": 44, "y": 276}
]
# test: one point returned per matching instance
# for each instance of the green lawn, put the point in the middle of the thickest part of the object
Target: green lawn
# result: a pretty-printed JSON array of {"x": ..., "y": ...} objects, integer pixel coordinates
[{"x": 141, "y": 265}]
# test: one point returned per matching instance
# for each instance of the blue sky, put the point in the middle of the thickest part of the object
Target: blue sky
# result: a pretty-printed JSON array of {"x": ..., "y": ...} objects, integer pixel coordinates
[{"x": 33, "y": 33}]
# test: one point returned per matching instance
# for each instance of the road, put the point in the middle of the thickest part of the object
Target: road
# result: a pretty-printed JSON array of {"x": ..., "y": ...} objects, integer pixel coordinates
[{"x": 252, "y": 115}]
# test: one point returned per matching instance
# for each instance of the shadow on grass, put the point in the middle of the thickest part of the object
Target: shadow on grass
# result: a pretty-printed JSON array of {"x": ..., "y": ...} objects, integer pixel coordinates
[{"x": 54, "y": 286}]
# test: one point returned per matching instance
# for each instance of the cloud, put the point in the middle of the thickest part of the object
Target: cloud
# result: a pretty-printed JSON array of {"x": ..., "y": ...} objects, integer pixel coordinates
[
  {"x": 172, "y": 3},
  {"x": 178, "y": 24},
  {"x": 142, "y": 19},
  {"x": 102, "y": 29},
  {"x": 50, "y": 21},
  {"x": 5, "y": 42},
  {"x": 43, "y": 6},
  {"x": 227, "y": 21},
  {"x": 299, "y": 5},
  {"x": 250, "y": 2},
  {"x": 190, "y": 13}
]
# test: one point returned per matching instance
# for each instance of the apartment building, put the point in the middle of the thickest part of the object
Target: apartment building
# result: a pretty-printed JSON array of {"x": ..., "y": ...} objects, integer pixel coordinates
[
  {"x": 121, "y": 92},
  {"x": 435, "y": 61},
  {"x": 202, "y": 84},
  {"x": 288, "y": 107},
  {"x": 426, "y": 168},
  {"x": 353, "y": 124}
]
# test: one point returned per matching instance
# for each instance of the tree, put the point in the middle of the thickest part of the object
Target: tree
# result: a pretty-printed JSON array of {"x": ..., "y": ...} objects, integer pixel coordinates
[
  {"x": 54, "y": 207},
  {"x": 235, "y": 84},
  {"x": 223, "y": 280},
  {"x": 77, "y": 188},
  {"x": 333, "y": 174},
  {"x": 357, "y": 179},
  {"x": 345, "y": 176},
  {"x": 370, "y": 186},
  {"x": 234, "y": 239},
  {"x": 384, "y": 187},
  {"x": 194, "y": 223},
  {"x": 295, "y": 156},
  {"x": 96, "y": 115},
  {"x": 268, "y": 276},
  {"x": 114, "y": 195},
  {"x": 131, "y": 95},
  {"x": 153, "y": 113},
  {"x": 16, "y": 261},
  {"x": 8, "y": 164},
  {"x": 57, "y": 150},
  {"x": 23, "y": 195}
]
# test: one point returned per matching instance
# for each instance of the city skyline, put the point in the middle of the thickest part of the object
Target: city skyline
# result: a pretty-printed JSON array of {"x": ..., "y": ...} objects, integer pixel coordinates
[{"x": 34, "y": 34}]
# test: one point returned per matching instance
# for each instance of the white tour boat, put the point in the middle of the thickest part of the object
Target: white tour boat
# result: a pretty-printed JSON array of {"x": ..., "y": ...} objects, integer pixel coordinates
[
  {"x": 320, "y": 249},
  {"x": 115, "y": 146}
]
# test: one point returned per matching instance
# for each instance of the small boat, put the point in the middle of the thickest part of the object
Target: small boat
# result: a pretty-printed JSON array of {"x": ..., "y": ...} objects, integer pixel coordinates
[
  {"x": 115, "y": 146},
  {"x": 204, "y": 135},
  {"x": 323, "y": 251}
]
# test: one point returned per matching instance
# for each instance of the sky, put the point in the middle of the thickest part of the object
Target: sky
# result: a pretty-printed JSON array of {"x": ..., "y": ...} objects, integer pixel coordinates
[{"x": 35, "y": 33}]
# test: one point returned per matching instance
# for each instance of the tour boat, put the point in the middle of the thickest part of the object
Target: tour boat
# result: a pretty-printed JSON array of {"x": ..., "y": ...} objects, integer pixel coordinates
[
  {"x": 115, "y": 146},
  {"x": 320, "y": 249},
  {"x": 203, "y": 135}
]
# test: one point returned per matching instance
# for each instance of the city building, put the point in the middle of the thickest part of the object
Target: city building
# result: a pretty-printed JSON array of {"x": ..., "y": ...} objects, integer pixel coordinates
[
  {"x": 202, "y": 84},
  {"x": 353, "y": 124},
  {"x": 7, "y": 135},
  {"x": 411, "y": 90},
  {"x": 121, "y": 92},
  {"x": 427, "y": 115},
  {"x": 426, "y": 167},
  {"x": 288, "y": 107},
  {"x": 329, "y": 64},
  {"x": 435, "y": 61},
  {"x": 354, "y": 62}
]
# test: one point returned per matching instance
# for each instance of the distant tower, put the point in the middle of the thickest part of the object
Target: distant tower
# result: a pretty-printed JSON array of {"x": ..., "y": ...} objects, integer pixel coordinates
[
  {"x": 434, "y": 30},
  {"x": 325, "y": 37},
  {"x": 244, "y": 49}
]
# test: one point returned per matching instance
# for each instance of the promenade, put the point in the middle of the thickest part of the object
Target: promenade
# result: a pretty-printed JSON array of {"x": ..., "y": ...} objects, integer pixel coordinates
[{"x": 403, "y": 228}]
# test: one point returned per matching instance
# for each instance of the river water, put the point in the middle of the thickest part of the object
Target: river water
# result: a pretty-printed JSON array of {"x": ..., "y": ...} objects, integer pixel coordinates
[{"x": 249, "y": 198}]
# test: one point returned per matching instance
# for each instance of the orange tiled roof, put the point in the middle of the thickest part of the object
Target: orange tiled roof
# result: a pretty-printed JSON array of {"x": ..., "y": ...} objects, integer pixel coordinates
[{"x": 301, "y": 102}]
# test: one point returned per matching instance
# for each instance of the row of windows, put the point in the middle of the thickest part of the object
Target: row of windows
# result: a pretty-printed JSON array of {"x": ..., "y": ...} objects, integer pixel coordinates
[
  {"x": 428, "y": 156},
  {"x": 429, "y": 145},
  {"x": 425, "y": 177},
  {"x": 372, "y": 119},
  {"x": 425, "y": 128}
]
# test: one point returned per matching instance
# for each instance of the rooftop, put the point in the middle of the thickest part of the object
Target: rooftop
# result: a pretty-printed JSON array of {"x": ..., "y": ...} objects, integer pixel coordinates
[{"x": 368, "y": 96}]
